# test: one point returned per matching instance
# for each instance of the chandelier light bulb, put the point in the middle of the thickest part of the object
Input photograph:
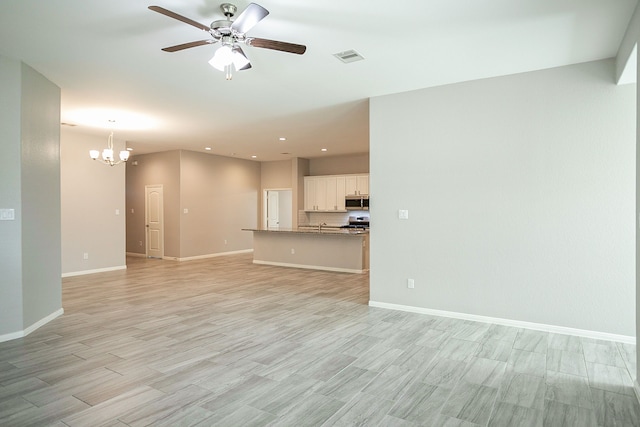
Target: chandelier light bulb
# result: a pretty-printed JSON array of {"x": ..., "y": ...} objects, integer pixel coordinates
[{"x": 107, "y": 153}]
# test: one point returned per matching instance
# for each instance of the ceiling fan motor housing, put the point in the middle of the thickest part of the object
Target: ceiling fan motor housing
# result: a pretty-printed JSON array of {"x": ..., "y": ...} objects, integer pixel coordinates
[
  {"x": 228, "y": 9},
  {"x": 221, "y": 28}
]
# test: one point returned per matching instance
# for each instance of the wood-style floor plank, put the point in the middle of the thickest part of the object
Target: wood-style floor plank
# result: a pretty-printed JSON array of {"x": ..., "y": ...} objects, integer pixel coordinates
[{"x": 225, "y": 342}]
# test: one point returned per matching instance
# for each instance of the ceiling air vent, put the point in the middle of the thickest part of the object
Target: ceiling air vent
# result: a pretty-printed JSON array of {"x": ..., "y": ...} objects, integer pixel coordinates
[{"x": 348, "y": 56}]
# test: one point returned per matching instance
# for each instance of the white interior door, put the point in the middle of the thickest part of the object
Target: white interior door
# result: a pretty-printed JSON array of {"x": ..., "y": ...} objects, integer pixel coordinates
[
  {"x": 154, "y": 221},
  {"x": 273, "y": 211}
]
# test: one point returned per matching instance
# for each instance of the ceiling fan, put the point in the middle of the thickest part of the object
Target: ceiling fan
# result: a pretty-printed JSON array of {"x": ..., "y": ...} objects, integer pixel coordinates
[{"x": 231, "y": 33}]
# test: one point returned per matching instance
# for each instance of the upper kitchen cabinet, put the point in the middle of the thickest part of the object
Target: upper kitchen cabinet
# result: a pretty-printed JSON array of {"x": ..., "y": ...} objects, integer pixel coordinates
[
  {"x": 324, "y": 193},
  {"x": 356, "y": 185},
  {"x": 310, "y": 193}
]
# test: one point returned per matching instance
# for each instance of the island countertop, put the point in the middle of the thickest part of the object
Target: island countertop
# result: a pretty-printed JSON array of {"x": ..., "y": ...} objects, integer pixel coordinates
[
  {"x": 313, "y": 230},
  {"x": 333, "y": 249}
]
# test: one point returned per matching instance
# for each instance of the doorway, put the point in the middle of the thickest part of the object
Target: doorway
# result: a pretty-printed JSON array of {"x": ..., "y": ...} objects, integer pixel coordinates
[
  {"x": 278, "y": 208},
  {"x": 154, "y": 221}
]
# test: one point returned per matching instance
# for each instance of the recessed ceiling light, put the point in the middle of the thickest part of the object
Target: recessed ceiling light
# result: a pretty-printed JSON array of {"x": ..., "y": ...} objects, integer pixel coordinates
[
  {"x": 282, "y": 138},
  {"x": 129, "y": 149},
  {"x": 324, "y": 149},
  {"x": 254, "y": 157},
  {"x": 207, "y": 148}
]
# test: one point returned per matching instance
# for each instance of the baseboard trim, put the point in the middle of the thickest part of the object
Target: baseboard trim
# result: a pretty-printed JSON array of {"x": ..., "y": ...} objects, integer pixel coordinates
[
  {"x": 27, "y": 331},
  {"x": 310, "y": 267},
  {"x": 135, "y": 255},
  {"x": 192, "y": 258},
  {"x": 97, "y": 270},
  {"x": 508, "y": 322}
]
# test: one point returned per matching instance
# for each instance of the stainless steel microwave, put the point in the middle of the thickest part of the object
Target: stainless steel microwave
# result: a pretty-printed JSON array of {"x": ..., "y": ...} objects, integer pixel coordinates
[{"x": 356, "y": 203}]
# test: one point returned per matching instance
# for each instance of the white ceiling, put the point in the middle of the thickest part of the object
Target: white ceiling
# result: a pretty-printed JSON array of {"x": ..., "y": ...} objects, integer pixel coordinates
[{"x": 106, "y": 58}]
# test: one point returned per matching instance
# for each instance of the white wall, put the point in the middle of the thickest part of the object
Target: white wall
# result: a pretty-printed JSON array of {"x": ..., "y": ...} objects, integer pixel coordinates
[
  {"x": 91, "y": 194},
  {"x": 520, "y": 191}
]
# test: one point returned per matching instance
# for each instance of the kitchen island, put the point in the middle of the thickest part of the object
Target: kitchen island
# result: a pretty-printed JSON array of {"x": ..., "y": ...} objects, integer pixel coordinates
[{"x": 332, "y": 249}]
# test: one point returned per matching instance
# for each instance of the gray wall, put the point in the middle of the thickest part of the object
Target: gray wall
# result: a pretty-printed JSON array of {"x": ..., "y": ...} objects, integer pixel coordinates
[
  {"x": 276, "y": 174},
  {"x": 91, "y": 193},
  {"x": 220, "y": 194},
  {"x": 10, "y": 197},
  {"x": 41, "y": 247},
  {"x": 152, "y": 169},
  {"x": 520, "y": 191},
  {"x": 637, "y": 260},
  {"x": 339, "y": 165},
  {"x": 30, "y": 288},
  {"x": 299, "y": 169}
]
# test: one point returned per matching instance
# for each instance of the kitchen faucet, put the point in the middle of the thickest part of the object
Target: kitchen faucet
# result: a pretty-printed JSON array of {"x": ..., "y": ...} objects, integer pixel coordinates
[{"x": 320, "y": 226}]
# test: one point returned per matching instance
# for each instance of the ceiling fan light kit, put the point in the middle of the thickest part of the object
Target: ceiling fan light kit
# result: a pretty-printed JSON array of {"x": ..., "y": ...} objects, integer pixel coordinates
[{"x": 231, "y": 33}]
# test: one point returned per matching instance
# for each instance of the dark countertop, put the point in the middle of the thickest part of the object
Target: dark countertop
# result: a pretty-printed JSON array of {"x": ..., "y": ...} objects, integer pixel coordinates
[{"x": 314, "y": 230}]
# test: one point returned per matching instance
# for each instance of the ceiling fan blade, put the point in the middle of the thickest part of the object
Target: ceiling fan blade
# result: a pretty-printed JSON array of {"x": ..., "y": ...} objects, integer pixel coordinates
[
  {"x": 276, "y": 45},
  {"x": 188, "y": 45},
  {"x": 184, "y": 19},
  {"x": 249, "y": 17}
]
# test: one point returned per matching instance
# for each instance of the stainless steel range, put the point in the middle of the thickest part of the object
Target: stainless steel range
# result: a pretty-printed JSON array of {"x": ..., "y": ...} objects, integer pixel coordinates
[{"x": 358, "y": 222}]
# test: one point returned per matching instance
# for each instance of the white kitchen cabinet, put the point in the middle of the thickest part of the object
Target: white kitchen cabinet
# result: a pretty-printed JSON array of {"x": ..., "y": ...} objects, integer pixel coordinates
[
  {"x": 356, "y": 185},
  {"x": 327, "y": 193},
  {"x": 324, "y": 193},
  {"x": 309, "y": 193},
  {"x": 341, "y": 192}
]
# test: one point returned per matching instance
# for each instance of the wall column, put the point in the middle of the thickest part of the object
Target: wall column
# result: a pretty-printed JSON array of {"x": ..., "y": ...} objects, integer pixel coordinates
[{"x": 30, "y": 249}]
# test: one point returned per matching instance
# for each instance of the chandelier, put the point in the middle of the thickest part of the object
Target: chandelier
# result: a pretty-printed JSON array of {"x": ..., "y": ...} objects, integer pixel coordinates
[{"x": 107, "y": 154}]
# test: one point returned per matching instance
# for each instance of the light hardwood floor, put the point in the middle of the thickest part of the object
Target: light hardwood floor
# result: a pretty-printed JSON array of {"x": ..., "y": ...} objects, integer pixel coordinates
[{"x": 228, "y": 343}]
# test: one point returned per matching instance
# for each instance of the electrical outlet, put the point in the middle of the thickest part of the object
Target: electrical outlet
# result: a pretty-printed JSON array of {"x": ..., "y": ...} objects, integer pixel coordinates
[
  {"x": 140, "y": 243},
  {"x": 410, "y": 284},
  {"x": 293, "y": 251},
  {"x": 225, "y": 241},
  {"x": 85, "y": 256}
]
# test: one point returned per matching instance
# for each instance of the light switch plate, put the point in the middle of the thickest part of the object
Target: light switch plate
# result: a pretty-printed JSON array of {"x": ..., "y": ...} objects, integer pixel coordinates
[
  {"x": 7, "y": 214},
  {"x": 403, "y": 214}
]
